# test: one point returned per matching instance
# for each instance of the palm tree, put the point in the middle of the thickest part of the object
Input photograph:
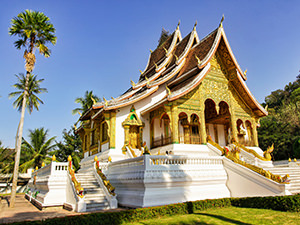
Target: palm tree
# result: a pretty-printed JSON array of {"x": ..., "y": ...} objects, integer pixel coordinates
[
  {"x": 86, "y": 102},
  {"x": 32, "y": 101},
  {"x": 34, "y": 31},
  {"x": 37, "y": 150}
]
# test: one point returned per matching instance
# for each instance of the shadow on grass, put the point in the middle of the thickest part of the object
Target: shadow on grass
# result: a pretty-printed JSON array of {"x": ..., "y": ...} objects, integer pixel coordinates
[{"x": 225, "y": 219}]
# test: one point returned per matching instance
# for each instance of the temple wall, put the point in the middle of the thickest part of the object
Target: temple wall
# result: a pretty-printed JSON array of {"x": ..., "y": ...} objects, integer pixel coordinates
[{"x": 122, "y": 114}]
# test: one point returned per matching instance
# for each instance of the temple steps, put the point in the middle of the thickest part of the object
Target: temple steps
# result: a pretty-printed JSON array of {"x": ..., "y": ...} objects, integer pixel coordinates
[
  {"x": 293, "y": 172},
  {"x": 95, "y": 198}
]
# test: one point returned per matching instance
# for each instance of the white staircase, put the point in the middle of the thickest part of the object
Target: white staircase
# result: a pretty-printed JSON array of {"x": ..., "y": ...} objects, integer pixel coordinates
[
  {"x": 293, "y": 172},
  {"x": 95, "y": 197}
]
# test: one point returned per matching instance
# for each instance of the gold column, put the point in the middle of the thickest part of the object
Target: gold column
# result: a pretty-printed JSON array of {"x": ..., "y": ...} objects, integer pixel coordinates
[
  {"x": 112, "y": 138},
  {"x": 233, "y": 128},
  {"x": 202, "y": 125},
  {"x": 175, "y": 126},
  {"x": 255, "y": 138}
]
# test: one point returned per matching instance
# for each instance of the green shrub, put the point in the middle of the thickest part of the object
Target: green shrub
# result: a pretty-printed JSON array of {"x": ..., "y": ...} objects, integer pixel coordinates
[{"x": 280, "y": 203}]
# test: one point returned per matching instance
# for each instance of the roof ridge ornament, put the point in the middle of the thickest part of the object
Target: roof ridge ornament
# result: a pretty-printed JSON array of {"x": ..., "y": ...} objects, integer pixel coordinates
[
  {"x": 106, "y": 103},
  {"x": 165, "y": 50},
  {"x": 195, "y": 25},
  {"x": 94, "y": 101},
  {"x": 176, "y": 57},
  {"x": 132, "y": 83},
  {"x": 151, "y": 51},
  {"x": 245, "y": 73},
  {"x": 156, "y": 66},
  {"x": 168, "y": 90},
  {"x": 147, "y": 80},
  {"x": 177, "y": 28},
  {"x": 198, "y": 60},
  {"x": 141, "y": 72},
  {"x": 221, "y": 23}
]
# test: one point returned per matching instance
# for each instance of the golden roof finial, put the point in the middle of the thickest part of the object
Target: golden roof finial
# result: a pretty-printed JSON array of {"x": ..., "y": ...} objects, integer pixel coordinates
[
  {"x": 141, "y": 71},
  {"x": 79, "y": 113},
  {"x": 195, "y": 25},
  {"x": 166, "y": 50},
  {"x": 106, "y": 103},
  {"x": 266, "y": 108},
  {"x": 147, "y": 80},
  {"x": 94, "y": 101},
  {"x": 75, "y": 127},
  {"x": 168, "y": 90},
  {"x": 151, "y": 51},
  {"x": 198, "y": 60},
  {"x": 221, "y": 23},
  {"x": 178, "y": 25},
  {"x": 156, "y": 66},
  {"x": 112, "y": 98},
  {"x": 175, "y": 57},
  {"x": 245, "y": 73},
  {"x": 132, "y": 83}
]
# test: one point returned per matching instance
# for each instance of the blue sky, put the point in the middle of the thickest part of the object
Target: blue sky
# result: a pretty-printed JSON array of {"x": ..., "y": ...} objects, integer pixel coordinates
[{"x": 102, "y": 45}]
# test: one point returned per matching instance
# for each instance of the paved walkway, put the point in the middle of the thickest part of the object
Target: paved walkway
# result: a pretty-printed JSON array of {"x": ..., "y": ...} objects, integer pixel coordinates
[{"x": 24, "y": 210}]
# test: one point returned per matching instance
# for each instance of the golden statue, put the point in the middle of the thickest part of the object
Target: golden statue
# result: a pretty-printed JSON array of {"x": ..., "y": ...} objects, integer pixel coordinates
[{"x": 267, "y": 154}]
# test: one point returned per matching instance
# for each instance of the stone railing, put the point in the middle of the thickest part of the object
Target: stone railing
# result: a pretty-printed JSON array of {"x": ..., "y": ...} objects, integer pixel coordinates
[
  {"x": 234, "y": 157},
  {"x": 105, "y": 184},
  {"x": 77, "y": 185},
  {"x": 54, "y": 168}
]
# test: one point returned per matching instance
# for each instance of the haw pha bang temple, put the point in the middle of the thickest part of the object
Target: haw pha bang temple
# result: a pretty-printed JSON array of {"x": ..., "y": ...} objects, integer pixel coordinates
[{"x": 185, "y": 131}]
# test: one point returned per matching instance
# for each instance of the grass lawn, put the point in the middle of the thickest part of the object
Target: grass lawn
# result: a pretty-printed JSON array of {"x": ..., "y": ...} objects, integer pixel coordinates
[{"x": 230, "y": 215}]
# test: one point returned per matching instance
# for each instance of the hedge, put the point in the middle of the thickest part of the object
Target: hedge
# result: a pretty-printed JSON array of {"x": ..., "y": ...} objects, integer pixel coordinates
[{"x": 282, "y": 203}]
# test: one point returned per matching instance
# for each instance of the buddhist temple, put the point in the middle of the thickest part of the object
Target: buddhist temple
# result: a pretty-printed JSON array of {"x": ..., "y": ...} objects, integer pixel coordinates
[
  {"x": 190, "y": 89},
  {"x": 185, "y": 130}
]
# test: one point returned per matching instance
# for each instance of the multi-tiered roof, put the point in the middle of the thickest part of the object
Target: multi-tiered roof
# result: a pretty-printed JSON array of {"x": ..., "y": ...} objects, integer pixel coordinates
[{"x": 179, "y": 65}]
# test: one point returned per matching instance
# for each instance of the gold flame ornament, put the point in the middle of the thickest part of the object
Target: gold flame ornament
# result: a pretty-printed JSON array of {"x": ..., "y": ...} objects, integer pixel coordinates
[
  {"x": 166, "y": 51},
  {"x": 245, "y": 73},
  {"x": 94, "y": 101},
  {"x": 198, "y": 60},
  {"x": 106, "y": 103},
  {"x": 141, "y": 71},
  {"x": 175, "y": 57},
  {"x": 151, "y": 51},
  {"x": 221, "y": 23},
  {"x": 132, "y": 83},
  {"x": 195, "y": 25},
  {"x": 168, "y": 90}
]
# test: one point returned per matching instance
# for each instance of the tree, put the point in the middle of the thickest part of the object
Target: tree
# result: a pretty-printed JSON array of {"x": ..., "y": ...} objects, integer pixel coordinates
[
  {"x": 71, "y": 145},
  {"x": 37, "y": 150},
  {"x": 34, "y": 31},
  {"x": 6, "y": 160},
  {"x": 33, "y": 87},
  {"x": 86, "y": 102}
]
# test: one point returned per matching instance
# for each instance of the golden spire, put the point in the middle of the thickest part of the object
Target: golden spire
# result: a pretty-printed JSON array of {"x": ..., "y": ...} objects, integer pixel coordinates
[
  {"x": 198, "y": 60},
  {"x": 175, "y": 57},
  {"x": 221, "y": 23},
  {"x": 94, "y": 101},
  {"x": 151, "y": 51},
  {"x": 168, "y": 90},
  {"x": 106, "y": 103},
  {"x": 195, "y": 25},
  {"x": 245, "y": 73},
  {"x": 132, "y": 83},
  {"x": 178, "y": 25}
]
